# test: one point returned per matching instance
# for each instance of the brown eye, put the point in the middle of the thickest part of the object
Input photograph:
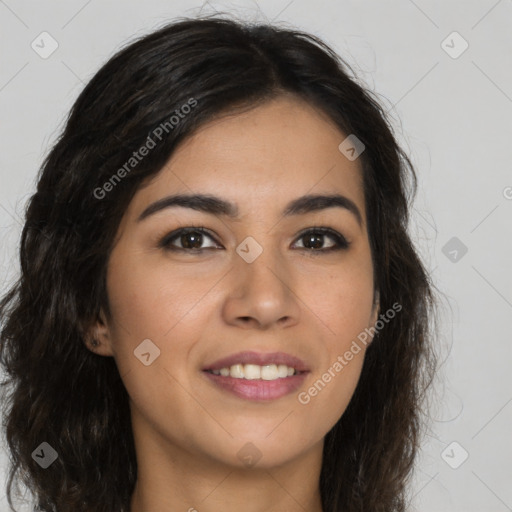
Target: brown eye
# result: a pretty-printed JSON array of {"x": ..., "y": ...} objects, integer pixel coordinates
[
  {"x": 187, "y": 239},
  {"x": 191, "y": 240},
  {"x": 314, "y": 240}
]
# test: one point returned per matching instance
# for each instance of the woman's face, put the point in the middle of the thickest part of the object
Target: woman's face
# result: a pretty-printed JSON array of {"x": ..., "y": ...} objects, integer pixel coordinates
[{"x": 267, "y": 280}]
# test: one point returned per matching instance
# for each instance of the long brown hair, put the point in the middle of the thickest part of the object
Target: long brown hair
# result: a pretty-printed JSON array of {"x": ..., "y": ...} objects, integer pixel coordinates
[{"x": 57, "y": 391}]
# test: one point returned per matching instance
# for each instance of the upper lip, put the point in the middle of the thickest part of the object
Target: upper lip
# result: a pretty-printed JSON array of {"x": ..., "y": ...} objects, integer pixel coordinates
[{"x": 260, "y": 359}]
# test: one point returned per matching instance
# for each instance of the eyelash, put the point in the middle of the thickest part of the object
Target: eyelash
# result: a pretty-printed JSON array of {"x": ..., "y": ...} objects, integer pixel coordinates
[{"x": 340, "y": 241}]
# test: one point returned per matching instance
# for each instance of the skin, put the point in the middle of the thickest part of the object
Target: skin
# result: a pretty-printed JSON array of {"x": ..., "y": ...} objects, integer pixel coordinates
[{"x": 199, "y": 307}]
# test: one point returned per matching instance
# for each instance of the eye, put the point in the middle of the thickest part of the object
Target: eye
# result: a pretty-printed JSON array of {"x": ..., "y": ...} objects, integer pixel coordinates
[
  {"x": 313, "y": 240},
  {"x": 189, "y": 239}
]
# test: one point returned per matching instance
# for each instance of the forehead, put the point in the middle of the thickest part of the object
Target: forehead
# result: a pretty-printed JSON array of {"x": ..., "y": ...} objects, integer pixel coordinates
[{"x": 260, "y": 159}]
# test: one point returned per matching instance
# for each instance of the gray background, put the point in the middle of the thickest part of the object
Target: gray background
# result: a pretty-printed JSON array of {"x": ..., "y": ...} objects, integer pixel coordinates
[{"x": 453, "y": 114}]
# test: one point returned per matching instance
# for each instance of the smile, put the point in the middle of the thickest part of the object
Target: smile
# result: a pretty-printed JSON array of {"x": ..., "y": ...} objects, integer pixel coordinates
[
  {"x": 254, "y": 371},
  {"x": 257, "y": 389},
  {"x": 256, "y": 375}
]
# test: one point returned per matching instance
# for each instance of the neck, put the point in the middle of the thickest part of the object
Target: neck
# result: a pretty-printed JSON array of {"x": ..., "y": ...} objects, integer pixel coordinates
[{"x": 173, "y": 479}]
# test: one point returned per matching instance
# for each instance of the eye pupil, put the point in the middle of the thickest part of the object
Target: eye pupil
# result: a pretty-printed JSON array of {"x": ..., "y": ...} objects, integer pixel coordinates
[
  {"x": 316, "y": 241},
  {"x": 194, "y": 237}
]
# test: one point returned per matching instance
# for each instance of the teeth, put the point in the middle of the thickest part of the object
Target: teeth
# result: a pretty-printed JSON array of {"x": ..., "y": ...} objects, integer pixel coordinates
[
  {"x": 237, "y": 371},
  {"x": 254, "y": 371},
  {"x": 269, "y": 372},
  {"x": 282, "y": 371}
]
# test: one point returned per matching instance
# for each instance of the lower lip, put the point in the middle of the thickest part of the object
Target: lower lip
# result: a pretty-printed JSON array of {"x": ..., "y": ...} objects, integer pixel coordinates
[{"x": 258, "y": 389}]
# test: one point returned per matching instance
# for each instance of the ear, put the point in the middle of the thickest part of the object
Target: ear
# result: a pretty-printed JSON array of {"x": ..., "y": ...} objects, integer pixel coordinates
[{"x": 98, "y": 338}]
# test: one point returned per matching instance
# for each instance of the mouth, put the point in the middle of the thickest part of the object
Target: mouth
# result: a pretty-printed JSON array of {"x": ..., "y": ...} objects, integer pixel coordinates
[{"x": 257, "y": 376}]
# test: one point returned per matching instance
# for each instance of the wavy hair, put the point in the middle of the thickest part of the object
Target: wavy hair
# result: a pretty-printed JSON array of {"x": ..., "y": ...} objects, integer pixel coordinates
[{"x": 57, "y": 391}]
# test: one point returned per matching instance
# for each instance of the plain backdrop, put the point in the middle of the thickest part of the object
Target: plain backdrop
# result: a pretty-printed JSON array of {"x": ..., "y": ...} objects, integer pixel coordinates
[{"x": 443, "y": 69}]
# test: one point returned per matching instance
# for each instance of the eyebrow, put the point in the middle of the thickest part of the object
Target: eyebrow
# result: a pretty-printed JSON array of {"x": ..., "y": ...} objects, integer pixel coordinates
[{"x": 217, "y": 206}]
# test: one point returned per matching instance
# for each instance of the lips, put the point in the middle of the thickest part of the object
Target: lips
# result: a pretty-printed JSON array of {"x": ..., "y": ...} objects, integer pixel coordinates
[
  {"x": 260, "y": 359},
  {"x": 257, "y": 390},
  {"x": 239, "y": 375}
]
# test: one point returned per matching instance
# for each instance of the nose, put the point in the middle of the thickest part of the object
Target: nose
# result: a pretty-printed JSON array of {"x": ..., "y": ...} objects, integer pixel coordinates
[{"x": 261, "y": 294}]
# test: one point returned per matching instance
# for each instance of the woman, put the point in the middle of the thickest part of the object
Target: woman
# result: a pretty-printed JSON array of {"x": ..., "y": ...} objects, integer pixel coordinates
[{"x": 219, "y": 304}]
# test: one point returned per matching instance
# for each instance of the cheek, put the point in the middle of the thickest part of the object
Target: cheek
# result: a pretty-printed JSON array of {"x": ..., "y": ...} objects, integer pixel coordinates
[
  {"x": 148, "y": 300},
  {"x": 342, "y": 299},
  {"x": 328, "y": 393},
  {"x": 160, "y": 304},
  {"x": 344, "y": 304}
]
